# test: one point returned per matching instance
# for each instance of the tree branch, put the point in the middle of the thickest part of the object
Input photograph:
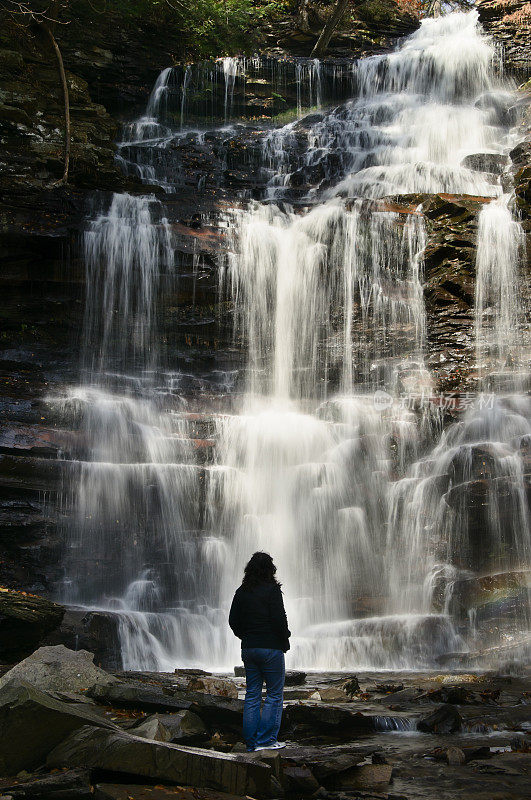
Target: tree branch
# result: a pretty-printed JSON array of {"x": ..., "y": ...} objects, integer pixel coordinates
[{"x": 321, "y": 45}]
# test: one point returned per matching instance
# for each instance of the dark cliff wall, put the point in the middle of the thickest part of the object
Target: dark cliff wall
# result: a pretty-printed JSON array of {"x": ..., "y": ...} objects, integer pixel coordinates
[{"x": 111, "y": 68}]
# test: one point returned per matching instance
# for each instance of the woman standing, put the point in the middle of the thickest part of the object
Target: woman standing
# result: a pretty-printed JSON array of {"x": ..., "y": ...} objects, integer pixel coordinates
[{"x": 257, "y": 617}]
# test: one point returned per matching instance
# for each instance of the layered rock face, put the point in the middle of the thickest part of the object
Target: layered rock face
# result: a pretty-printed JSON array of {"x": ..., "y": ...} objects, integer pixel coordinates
[
  {"x": 509, "y": 23},
  {"x": 45, "y": 282}
]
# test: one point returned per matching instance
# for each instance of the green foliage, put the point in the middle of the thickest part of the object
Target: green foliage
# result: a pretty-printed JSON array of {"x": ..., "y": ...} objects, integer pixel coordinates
[
  {"x": 224, "y": 26},
  {"x": 208, "y": 27}
]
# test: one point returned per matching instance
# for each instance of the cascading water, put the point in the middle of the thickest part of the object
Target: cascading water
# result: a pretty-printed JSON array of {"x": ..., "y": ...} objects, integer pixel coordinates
[
  {"x": 498, "y": 307},
  {"x": 331, "y": 461}
]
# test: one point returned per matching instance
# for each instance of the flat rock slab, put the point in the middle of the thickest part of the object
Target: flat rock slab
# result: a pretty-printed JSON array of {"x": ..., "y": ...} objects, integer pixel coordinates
[
  {"x": 327, "y": 718},
  {"x": 74, "y": 783},
  {"x": 125, "y": 791},
  {"x": 136, "y": 695},
  {"x": 117, "y": 751},
  {"x": 225, "y": 712},
  {"x": 32, "y": 723},
  {"x": 215, "y": 686}
]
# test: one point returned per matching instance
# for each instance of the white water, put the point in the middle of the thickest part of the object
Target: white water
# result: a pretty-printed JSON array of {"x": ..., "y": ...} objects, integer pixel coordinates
[
  {"x": 372, "y": 522},
  {"x": 499, "y": 288}
]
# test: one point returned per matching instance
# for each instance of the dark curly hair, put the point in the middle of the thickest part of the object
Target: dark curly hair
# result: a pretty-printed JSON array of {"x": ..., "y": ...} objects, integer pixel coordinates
[{"x": 259, "y": 569}]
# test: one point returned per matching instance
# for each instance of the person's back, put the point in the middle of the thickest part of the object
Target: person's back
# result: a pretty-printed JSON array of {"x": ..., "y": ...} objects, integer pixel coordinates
[{"x": 257, "y": 617}]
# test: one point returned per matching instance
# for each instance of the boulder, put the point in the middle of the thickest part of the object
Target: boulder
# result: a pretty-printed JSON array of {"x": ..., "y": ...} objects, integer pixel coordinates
[
  {"x": 57, "y": 669},
  {"x": 216, "y": 686},
  {"x": 332, "y": 771},
  {"x": 182, "y": 727},
  {"x": 295, "y": 678},
  {"x": 152, "y": 728},
  {"x": 455, "y": 756},
  {"x": 333, "y": 694},
  {"x": 299, "y": 779},
  {"x": 33, "y": 722},
  {"x": 117, "y": 751},
  {"x": 25, "y": 620},
  {"x": 445, "y": 719}
]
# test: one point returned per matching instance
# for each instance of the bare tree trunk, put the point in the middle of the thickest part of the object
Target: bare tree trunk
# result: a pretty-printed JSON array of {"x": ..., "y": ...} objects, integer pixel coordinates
[
  {"x": 66, "y": 98},
  {"x": 302, "y": 16},
  {"x": 321, "y": 46},
  {"x": 434, "y": 9}
]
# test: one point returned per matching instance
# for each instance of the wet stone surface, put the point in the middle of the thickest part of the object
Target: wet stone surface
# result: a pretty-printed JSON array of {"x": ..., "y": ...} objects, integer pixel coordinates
[{"x": 486, "y": 756}]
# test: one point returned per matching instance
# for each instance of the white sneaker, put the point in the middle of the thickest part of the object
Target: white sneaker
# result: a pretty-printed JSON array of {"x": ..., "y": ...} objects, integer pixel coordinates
[{"x": 274, "y": 746}]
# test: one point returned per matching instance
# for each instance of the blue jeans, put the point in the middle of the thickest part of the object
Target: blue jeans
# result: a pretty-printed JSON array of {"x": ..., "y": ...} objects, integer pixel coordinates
[{"x": 262, "y": 665}]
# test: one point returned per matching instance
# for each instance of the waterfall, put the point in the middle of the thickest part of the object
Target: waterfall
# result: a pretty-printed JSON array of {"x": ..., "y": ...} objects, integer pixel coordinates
[
  {"x": 498, "y": 309},
  {"x": 291, "y": 272},
  {"x": 127, "y": 249},
  {"x": 389, "y": 533},
  {"x": 230, "y": 70}
]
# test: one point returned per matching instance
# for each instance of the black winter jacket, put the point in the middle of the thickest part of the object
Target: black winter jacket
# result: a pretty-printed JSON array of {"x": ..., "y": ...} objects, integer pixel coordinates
[{"x": 258, "y": 618}]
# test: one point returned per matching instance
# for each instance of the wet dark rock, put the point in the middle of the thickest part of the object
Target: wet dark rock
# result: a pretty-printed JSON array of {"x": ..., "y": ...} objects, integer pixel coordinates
[
  {"x": 455, "y": 695},
  {"x": 486, "y": 162},
  {"x": 24, "y": 622},
  {"x": 126, "y": 791},
  {"x": 326, "y": 719},
  {"x": 95, "y": 631},
  {"x": 333, "y": 771},
  {"x": 472, "y": 753},
  {"x": 351, "y": 686},
  {"x": 482, "y": 593},
  {"x": 117, "y": 751},
  {"x": 455, "y": 756},
  {"x": 299, "y": 779},
  {"x": 216, "y": 712},
  {"x": 445, "y": 719},
  {"x": 295, "y": 678},
  {"x": 69, "y": 785},
  {"x": 398, "y": 700},
  {"x": 389, "y": 688},
  {"x": 192, "y": 673},
  {"x": 503, "y": 111},
  {"x": 25, "y": 710},
  {"x": 137, "y": 696}
]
